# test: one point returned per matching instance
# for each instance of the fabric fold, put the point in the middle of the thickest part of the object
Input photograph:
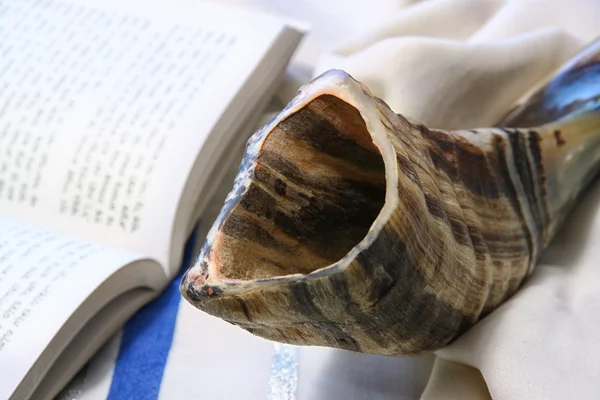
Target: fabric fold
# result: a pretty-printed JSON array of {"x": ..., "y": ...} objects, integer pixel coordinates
[{"x": 438, "y": 62}]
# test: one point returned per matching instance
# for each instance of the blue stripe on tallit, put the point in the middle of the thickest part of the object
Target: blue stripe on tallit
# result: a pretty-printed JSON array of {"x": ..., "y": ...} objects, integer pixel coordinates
[{"x": 146, "y": 341}]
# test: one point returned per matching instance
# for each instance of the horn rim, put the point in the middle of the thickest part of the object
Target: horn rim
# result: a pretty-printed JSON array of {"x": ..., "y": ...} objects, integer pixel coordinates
[{"x": 202, "y": 280}]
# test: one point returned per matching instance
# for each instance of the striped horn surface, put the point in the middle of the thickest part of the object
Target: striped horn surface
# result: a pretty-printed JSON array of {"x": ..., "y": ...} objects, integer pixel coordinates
[{"x": 354, "y": 227}]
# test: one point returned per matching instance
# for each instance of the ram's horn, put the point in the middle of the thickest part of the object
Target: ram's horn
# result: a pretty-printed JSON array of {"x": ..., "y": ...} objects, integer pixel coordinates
[{"x": 353, "y": 227}]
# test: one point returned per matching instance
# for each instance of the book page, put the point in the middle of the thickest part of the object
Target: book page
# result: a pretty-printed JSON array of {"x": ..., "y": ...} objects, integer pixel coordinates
[
  {"x": 103, "y": 113},
  {"x": 37, "y": 268}
]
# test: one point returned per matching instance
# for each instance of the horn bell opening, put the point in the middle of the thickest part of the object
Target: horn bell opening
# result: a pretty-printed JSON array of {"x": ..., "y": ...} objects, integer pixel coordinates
[{"x": 317, "y": 187}]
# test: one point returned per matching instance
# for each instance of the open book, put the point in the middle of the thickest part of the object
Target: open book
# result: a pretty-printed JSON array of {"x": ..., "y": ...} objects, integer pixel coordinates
[{"x": 115, "y": 126}]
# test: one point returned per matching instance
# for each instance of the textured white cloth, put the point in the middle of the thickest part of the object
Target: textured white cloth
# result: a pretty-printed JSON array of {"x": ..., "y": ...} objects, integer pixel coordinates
[{"x": 450, "y": 64}]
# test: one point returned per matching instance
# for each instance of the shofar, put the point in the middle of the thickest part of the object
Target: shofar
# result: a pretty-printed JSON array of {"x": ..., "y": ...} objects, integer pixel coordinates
[{"x": 353, "y": 227}]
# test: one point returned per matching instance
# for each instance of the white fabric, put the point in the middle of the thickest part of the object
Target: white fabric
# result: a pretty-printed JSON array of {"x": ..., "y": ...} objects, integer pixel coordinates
[{"x": 450, "y": 64}]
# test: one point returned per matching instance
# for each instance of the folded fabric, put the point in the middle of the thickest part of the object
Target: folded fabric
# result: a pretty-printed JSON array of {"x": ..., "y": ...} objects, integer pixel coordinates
[{"x": 462, "y": 63}]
